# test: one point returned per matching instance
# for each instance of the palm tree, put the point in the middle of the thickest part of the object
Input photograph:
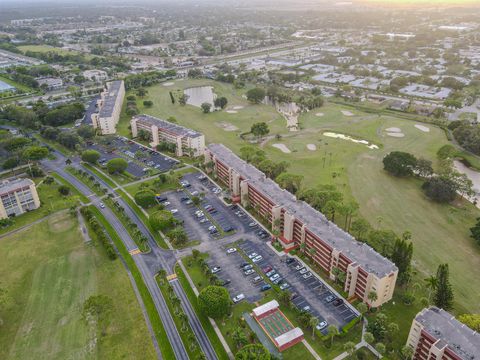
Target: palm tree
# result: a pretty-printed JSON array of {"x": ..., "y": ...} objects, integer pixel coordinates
[
  {"x": 192, "y": 339},
  {"x": 313, "y": 322},
  {"x": 349, "y": 347},
  {"x": 372, "y": 296},
  {"x": 368, "y": 337},
  {"x": 431, "y": 283},
  {"x": 332, "y": 332},
  {"x": 380, "y": 347},
  {"x": 362, "y": 309}
]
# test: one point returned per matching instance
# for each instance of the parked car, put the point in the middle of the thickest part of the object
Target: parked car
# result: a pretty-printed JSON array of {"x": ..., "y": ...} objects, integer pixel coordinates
[
  {"x": 102, "y": 205},
  {"x": 303, "y": 271},
  {"x": 174, "y": 211},
  {"x": 189, "y": 202},
  {"x": 248, "y": 267},
  {"x": 274, "y": 277},
  {"x": 204, "y": 220},
  {"x": 308, "y": 275},
  {"x": 337, "y": 302},
  {"x": 242, "y": 265},
  {"x": 252, "y": 255},
  {"x": 216, "y": 269},
  {"x": 322, "y": 325},
  {"x": 270, "y": 273},
  {"x": 277, "y": 280},
  {"x": 293, "y": 296},
  {"x": 284, "y": 286},
  {"x": 330, "y": 298},
  {"x": 306, "y": 308},
  {"x": 231, "y": 250},
  {"x": 298, "y": 267},
  {"x": 166, "y": 203},
  {"x": 267, "y": 269},
  {"x": 249, "y": 272},
  {"x": 289, "y": 260},
  {"x": 257, "y": 258},
  {"x": 238, "y": 298},
  {"x": 257, "y": 279},
  {"x": 226, "y": 282},
  {"x": 252, "y": 224},
  {"x": 265, "y": 287}
]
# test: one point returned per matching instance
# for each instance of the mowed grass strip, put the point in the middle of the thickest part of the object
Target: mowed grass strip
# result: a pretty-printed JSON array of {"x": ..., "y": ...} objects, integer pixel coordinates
[
  {"x": 159, "y": 330},
  {"x": 48, "y": 272}
]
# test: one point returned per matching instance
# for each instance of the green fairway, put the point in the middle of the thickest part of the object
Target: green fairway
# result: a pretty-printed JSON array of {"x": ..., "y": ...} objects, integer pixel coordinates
[
  {"x": 440, "y": 232},
  {"x": 48, "y": 272}
]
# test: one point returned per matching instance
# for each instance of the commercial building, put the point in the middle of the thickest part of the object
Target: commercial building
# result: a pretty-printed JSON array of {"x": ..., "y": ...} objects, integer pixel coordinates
[
  {"x": 188, "y": 142},
  {"x": 299, "y": 225},
  {"x": 110, "y": 107},
  {"x": 17, "y": 197},
  {"x": 436, "y": 335},
  {"x": 50, "y": 83},
  {"x": 95, "y": 75}
]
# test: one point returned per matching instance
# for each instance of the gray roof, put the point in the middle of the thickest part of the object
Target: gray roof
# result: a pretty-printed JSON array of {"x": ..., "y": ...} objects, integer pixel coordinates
[
  {"x": 443, "y": 326},
  {"x": 110, "y": 99},
  {"x": 9, "y": 185},
  {"x": 163, "y": 124},
  {"x": 316, "y": 222}
]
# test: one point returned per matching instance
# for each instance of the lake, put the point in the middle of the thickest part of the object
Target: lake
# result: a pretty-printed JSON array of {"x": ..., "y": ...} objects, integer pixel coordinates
[{"x": 199, "y": 95}]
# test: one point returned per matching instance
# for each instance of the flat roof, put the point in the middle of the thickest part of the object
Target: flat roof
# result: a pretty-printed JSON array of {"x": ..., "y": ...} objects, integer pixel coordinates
[
  {"x": 291, "y": 335},
  {"x": 110, "y": 98},
  {"x": 443, "y": 326},
  {"x": 163, "y": 124},
  {"x": 262, "y": 309},
  {"x": 317, "y": 223},
  {"x": 9, "y": 185}
]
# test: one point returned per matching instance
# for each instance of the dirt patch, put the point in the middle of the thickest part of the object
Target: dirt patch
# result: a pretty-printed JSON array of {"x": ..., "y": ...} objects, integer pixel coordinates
[
  {"x": 347, "y": 113},
  {"x": 393, "y": 130},
  {"x": 231, "y": 111},
  {"x": 226, "y": 126},
  {"x": 311, "y": 147},
  {"x": 422, "y": 128},
  {"x": 319, "y": 114},
  {"x": 396, "y": 134},
  {"x": 168, "y": 84},
  {"x": 238, "y": 107},
  {"x": 282, "y": 147}
]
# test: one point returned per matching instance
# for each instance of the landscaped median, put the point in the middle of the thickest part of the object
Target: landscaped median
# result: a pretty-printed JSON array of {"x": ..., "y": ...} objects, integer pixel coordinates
[
  {"x": 160, "y": 334},
  {"x": 88, "y": 180}
]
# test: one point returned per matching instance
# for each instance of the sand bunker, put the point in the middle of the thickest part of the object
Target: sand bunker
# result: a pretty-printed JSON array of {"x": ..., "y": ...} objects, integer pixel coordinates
[
  {"x": 168, "y": 84},
  {"x": 311, "y": 147},
  {"x": 226, "y": 126},
  {"x": 319, "y": 114},
  {"x": 282, "y": 148},
  {"x": 347, "y": 113},
  {"x": 422, "y": 128},
  {"x": 349, "y": 138},
  {"x": 238, "y": 107},
  {"x": 396, "y": 134},
  {"x": 394, "y": 130},
  {"x": 231, "y": 111}
]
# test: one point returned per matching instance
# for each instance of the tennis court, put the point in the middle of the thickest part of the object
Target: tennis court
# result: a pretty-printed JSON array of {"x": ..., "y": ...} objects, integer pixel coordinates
[{"x": 275, "y": 324}]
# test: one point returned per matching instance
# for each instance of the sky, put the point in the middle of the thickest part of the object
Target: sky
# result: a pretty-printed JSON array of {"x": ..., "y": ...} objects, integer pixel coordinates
[{"x": 421, "y": 2}]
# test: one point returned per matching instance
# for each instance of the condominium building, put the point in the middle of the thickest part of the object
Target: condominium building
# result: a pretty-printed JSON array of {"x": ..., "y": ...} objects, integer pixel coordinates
[
  {"x": 110, "y": 107},
  {"x": 17, "y": 197},
  {"x": 299, "y": 225},
  {"x": 50, "y": 83},
  {"x": 436, "y": 335},
  {"x": 187, "y": 141}
]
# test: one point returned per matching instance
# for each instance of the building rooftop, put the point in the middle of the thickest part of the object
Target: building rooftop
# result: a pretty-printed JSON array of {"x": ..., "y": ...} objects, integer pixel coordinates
[
  {"x": 450, "y": 332},
  {"x": 317, "y": 223},
  {"x": 262, "y": 309},
  {"x": 10, "y": 185},
  {"x": 110, "y": 98},
  {"x": 166, "y": 125},
  {"x": 288, "y": 336}
]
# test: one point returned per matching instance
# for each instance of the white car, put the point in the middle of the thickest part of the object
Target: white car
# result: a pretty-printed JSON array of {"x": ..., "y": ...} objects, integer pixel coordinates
[
  {"x": 274, "y": 277},
  {"x": 212, "y": 227},
  {"x": 306, "y": 308},
  {"x": 252, "y": 224},
  {"x": 249, "y": 272},
  {"x": 216, "y": 269},
  {"x": 303, "y": 271},
  {"x": 203, "y": 220},
  {"x": 307, "y": 275},
  {"x": 194, "y": 193},
  {"x": 252, "y": 255},
  {"x": 284, "y": 286},
  {"x": 257, "y": 258},
  {"x": 238, "y": 298},
  {"x": 299, "y": 267},
  {"x": 322, "y": 325},
  {"x": 166, "y": 203},
  {"x": 231, "y": 250},
  {"x": 174, "y": 211},
  {"x": 102, "y": 205}
]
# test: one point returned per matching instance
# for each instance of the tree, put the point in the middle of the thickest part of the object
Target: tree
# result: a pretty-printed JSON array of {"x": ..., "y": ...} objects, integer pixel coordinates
[
  {"x": 64, "y": 190},
  {"x": 362, "y": 308},
  {"x": 332, "y": 332},
  {"x": 424, "y": 168},
  {"x": 162, "y": 220},
  {"x": 399, "y": 163},
  {"x": 443, "y": 297},
  {"x": 253, "y": 352},
  {"x": 178, "y": 236},
  {"x": 440, "y": 189},
  {"x": 259, "y": 129},
  {"x": 145, "y": 198},
  {"x": 360, "y": 228},
  {"x": 117, "y": 165},
  {"x": 431, "y": 284},
  {"x": 349, "y": 347},
  {"x": 35, "y": 153},
  {"x": 372, "y": 296},
  {"x": 98, "y": 308},
  {"x": 289, "y": 182},
  {"x": 141, "y": 92},
  {"x": 284, "y": 298},
  {"x": 214, "y": 301},
  {"x": 368, "y": 337},
  {"x": 313, "y": 322},
  {"x": 206, "y": 107},
  {"x": 239, "y": 337},
  {"x": 220, "y": 102},
  {"x": 471, "y": 320},
  {"x": 86, "y": 132},
  {"x": 402, "y": 257},
  {"x": 90, "y": 156},
  {"x": 256, "y": 95},
  {"x": 406, "y": 352},
  {"x": 380, "y": 347},
  {"x": 148, "y": 103}
]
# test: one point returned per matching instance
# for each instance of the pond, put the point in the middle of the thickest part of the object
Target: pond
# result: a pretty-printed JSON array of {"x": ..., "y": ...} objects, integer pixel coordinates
[
  {"x": 5, "y": 87},
  {"x": 199, "y": 95},
  {"x": 349, "y": 138}
]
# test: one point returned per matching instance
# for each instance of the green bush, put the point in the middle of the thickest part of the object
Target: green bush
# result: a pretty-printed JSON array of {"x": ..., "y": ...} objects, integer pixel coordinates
[
  {"x": 145, "y": 198},
  {"x": 117, "y": 165}
]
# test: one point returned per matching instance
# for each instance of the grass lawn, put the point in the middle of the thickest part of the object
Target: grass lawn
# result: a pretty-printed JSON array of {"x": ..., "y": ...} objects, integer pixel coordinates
[
  {"x": 50, "y": 202},
  {"x": 42, "y": 318},
  {"x": 440, "y": 232},
  {"x": 17, "y": 85},
  {"x": 47, "y": 48}
]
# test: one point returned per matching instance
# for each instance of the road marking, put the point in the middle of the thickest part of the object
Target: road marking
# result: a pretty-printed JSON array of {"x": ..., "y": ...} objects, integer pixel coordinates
[
  {"x": 134, "y": 251},
  {"x": 172, "y": 277}
]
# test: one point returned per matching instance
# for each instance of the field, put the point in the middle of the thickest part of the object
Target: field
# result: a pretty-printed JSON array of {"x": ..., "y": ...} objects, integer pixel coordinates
[
  {"x": 440, "y": 232},
  {"x": 48, "y": 273},
  {"x": 46, "y": 48}
]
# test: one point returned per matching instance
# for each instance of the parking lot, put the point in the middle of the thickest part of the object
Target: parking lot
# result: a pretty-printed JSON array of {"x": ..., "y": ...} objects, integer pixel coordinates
[{"x": 129, "y": 150}]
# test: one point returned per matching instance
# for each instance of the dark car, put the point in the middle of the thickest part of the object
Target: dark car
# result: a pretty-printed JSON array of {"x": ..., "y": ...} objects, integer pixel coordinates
[
  {"x": 293, "y": 296},
  {"x": 289, "y": 260},
  {"x": 226, "y": 282},
  {"x": 184, "y": 198},
  {"x": 243, "y": 265},
  {"x": 337, "y": 302}
]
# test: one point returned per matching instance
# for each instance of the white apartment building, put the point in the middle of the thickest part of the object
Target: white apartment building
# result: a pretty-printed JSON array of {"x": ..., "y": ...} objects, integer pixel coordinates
[
  {"x": 110, "y": 107},
  {"x": 17, "y": 197}
]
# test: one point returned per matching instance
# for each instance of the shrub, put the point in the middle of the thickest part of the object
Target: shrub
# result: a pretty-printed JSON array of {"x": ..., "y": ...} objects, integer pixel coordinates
[
  {"x": 214, "y": 301},
  {"x": 145, "y": 198},
  {"x": 64, "y": 190},
  {"x": 90, "y": 156},
  {"x": 117, "y": 165}
]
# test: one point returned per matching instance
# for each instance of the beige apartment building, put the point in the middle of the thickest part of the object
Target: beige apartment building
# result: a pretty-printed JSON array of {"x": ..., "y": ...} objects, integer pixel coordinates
[
  {"x": 301, "y": 226},
  {"x": 110, "y": 107},
  {"x": 436, "y": 335},
  {"x": 17, "y": 197},
  {"x": 188, "y": 142}
]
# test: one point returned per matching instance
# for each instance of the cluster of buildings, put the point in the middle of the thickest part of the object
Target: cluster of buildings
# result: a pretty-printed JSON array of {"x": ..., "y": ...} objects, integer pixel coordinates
[
  {"x": 188, "y": 142},
  {"x": 110, "y": 107},
  {"x": 17, "y": 197},
  {"x": 299, "y": 225}
]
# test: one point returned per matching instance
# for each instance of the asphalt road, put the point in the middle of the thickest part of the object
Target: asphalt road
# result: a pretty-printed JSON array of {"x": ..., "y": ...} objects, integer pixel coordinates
[{"x": 148, "y": 264}]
